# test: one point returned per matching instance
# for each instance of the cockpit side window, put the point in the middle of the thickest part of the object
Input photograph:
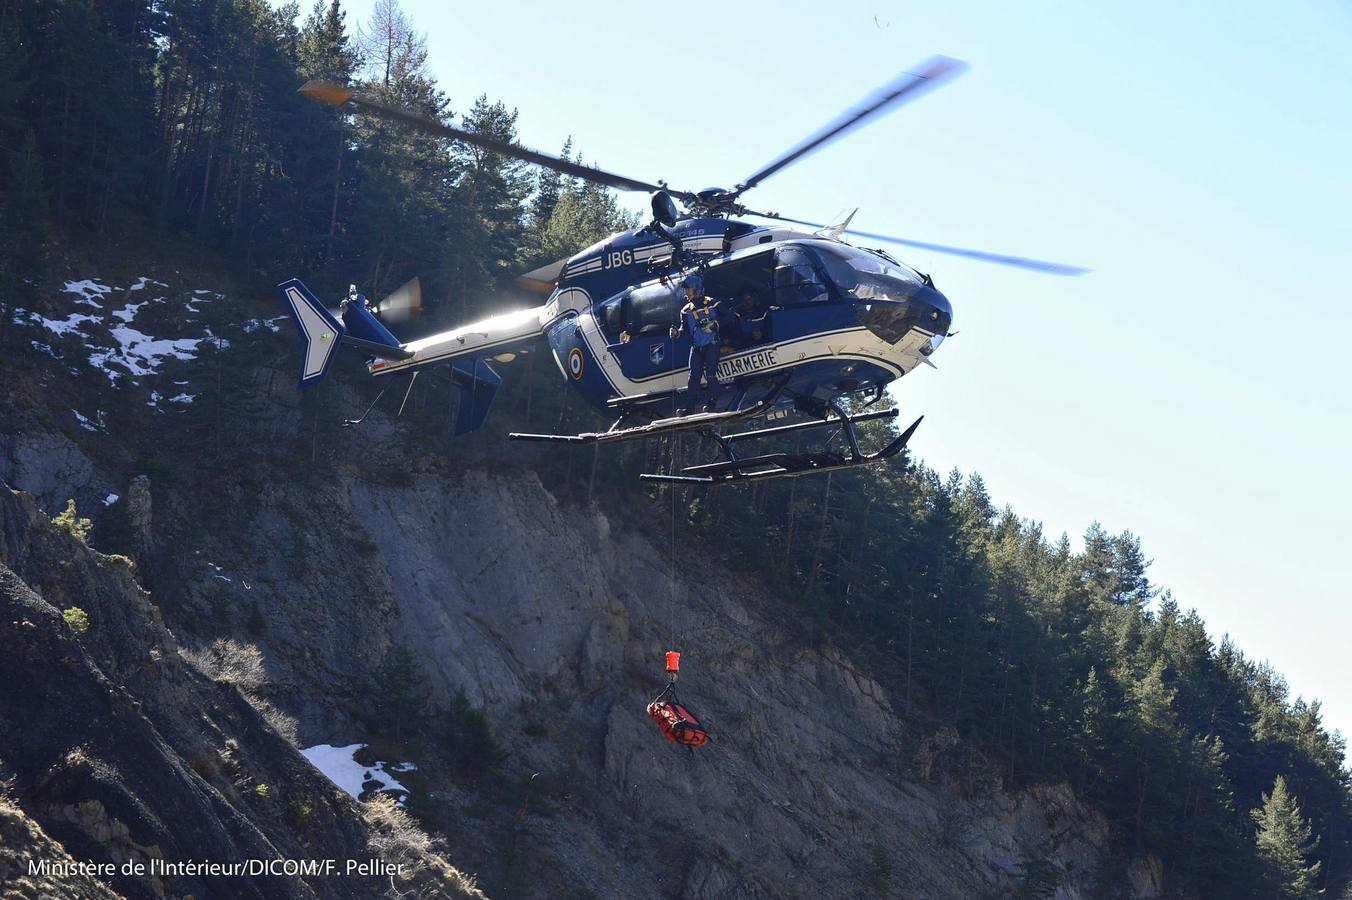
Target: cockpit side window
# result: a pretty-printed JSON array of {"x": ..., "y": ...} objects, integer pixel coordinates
[
  {"x": 798, "y": 278},
  {"x": 611, "y": 316},
  {"x": 652, "y": 309}
]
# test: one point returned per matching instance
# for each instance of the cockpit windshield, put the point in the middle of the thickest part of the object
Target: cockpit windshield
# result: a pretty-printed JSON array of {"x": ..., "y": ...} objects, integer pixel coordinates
[{"x": 862, "y": 275}]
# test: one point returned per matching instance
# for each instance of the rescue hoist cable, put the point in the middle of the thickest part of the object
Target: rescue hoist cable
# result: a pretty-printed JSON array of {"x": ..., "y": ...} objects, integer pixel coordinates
[{"x": 678, "y": 724}]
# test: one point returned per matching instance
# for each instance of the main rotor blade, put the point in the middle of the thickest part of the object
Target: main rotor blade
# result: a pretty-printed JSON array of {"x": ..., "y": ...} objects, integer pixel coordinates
[
  {"x": 907, "y": 85},
  {"x": 1018, "y": 262},
  {"x": 337, "y": 95}
]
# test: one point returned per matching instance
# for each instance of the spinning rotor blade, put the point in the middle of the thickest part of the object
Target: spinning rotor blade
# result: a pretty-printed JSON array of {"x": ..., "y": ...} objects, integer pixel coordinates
[
  {"x": 1018, "y": 262},
  {"x": 905, "y": 86},
  {"x": 336, "y": 95},
  {"x": 403, "y": 305}
]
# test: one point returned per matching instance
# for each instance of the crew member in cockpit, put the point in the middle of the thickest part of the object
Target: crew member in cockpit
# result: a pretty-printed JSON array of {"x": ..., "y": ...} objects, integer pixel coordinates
[
  {"x": 700, "y": 316},
  {"x": 749, "y": 319}
]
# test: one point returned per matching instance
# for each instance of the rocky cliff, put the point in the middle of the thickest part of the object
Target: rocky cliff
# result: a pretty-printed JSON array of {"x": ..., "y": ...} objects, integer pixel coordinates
[{"x": 332, "y": 553}]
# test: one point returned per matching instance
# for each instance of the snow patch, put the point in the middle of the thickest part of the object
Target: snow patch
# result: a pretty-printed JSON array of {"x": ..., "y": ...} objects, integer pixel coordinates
[
  {"x": 339, "y": 766},
  {"x": 88, "y": 424},
  {"x": 140, "y": 354},
  {"x": 128, "y": 312},
  {"x": 88, "y": 290},
  {"x": 270, "y": 324},
  {"x": 60, "y": 327},
  {"x": 199, "y": 296},
  {"x": 110, "y": 500},
  {"x": 135, "y": 353},
  {"x": 183, "y": 398}
]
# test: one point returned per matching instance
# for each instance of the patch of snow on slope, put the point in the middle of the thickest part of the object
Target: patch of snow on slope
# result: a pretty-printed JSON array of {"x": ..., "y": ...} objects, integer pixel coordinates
[
  {"x": 339, "y": 766},
  {"x": 130, "y": 352},
  {"x": 140, "y": 354},
  {"x": 270, "y": 324},
  {"x": 69, "y": 325},
  {"x": 88, "y": 290},
  {"x": 128, "y": 312},
  {"x": 87, "y": 423}
]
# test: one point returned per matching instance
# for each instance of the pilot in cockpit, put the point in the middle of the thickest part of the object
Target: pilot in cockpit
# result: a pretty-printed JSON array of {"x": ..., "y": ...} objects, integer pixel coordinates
[{"x": 748, "y": 319}]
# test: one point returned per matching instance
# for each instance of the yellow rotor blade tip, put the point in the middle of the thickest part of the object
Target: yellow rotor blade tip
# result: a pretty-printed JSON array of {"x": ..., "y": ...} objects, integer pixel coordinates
[{"x": 326, "y": 92}]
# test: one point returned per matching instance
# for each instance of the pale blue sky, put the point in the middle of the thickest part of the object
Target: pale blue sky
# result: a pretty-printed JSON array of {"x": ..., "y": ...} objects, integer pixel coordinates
[{"x": 1193, "y": 389}]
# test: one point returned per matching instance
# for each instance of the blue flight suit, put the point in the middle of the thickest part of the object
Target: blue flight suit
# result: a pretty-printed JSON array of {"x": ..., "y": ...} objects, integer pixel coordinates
[
  {"x": 702, "y": 321},
  {"x": 749, "y": 325}
]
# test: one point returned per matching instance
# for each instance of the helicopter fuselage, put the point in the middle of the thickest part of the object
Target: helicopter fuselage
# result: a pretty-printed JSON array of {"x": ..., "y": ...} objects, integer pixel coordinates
[{"x": 818, "y": 318}]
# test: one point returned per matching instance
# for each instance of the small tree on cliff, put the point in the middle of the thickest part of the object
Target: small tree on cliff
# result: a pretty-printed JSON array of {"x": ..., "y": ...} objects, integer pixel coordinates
[
  {"x": 1284, "y": 844},
  {"x": 402, "y": 687}
]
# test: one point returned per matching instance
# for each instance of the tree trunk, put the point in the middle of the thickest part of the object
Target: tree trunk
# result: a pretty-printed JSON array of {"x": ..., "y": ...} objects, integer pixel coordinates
[{"x": 337, "y": 182}]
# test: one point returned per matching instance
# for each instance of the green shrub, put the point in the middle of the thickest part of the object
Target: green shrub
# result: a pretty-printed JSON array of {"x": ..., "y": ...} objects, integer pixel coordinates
[
  {"x": 77, "y": 619},
  {"x": 262, "y": 791},
  {"x": 71, "y": 523},
  {"x": 468, "y": 737},
  {"x": 878, "y": 871}
]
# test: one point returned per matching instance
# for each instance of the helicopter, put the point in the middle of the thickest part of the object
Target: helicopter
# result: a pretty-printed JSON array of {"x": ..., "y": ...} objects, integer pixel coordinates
[{"x": 833, "y": 321}]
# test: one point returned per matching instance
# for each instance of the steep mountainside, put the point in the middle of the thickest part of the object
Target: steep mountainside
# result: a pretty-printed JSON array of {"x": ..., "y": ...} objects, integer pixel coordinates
[
  {"x": 117, "y": 748},
  {"x": 345, "y": 555}
]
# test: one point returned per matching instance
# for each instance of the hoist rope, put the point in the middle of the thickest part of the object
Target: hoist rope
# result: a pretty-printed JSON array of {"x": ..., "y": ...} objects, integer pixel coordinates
[{"x": 671, "y": 469}]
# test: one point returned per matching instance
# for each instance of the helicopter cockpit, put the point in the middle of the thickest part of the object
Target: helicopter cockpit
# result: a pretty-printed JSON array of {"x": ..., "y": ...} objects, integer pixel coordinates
[{"x": 890, "y": 298}]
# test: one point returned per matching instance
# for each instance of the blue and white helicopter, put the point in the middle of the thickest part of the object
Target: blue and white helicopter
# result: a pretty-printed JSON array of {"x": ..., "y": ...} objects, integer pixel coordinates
[{"x": 831, "y": 320}]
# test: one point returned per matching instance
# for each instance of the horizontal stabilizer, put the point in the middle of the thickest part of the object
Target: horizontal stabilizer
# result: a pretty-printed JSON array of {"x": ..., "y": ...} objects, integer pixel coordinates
[
  {"x": 321, "y": 331},
  {"x": 382, "y": 351}
]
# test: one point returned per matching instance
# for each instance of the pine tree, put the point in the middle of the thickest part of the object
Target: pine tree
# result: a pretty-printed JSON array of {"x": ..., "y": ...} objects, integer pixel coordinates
[
  {"x": 23, "y": 227},
  {"x": 401, "y": 685},
  {"x": 548, "y": 187},
  {"x": 1094, "y": 725},
  {"x": 1154, "y": 739},
  {"x": 1285, "y": 844}
]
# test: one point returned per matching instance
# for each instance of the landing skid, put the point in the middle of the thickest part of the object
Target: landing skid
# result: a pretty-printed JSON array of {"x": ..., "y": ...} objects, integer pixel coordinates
[
  {"x": 618, "y": 432},
  {"x": 734, "y": 469}
]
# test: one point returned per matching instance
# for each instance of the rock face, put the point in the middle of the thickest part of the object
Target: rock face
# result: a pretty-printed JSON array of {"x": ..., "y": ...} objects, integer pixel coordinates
[
  {"x": 139, "y": 516},
  {"x": 552, "y": 617},
  {"x": 114, "y": 749}
]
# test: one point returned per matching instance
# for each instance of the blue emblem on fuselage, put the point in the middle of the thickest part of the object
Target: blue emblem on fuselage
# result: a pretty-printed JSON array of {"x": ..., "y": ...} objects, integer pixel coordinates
[{"x": 657, "y": 353}]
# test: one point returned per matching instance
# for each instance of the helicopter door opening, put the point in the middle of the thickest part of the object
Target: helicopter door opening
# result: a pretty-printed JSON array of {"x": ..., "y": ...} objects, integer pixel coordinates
[{"x": 743, "y": 287}]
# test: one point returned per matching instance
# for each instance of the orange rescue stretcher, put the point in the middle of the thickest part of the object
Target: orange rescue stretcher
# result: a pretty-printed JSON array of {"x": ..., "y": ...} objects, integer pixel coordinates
[{"x": 678, "y": 724}]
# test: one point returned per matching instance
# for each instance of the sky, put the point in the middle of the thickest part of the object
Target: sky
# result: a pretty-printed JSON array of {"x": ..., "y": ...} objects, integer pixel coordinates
[{"x": 1193, "y": 389}]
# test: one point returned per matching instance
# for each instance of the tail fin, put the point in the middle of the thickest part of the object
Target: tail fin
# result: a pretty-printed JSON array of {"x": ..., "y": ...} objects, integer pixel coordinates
[
  {"x": 321, "y": 331},
  {"x": 478, "y": 386}
]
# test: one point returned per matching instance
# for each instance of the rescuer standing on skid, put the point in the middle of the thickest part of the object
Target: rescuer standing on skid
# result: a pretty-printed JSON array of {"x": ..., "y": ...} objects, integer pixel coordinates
[{"x": 700, "y": 317}]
